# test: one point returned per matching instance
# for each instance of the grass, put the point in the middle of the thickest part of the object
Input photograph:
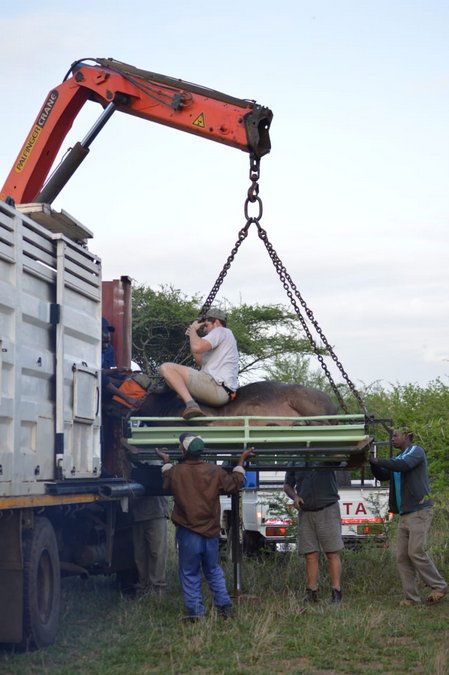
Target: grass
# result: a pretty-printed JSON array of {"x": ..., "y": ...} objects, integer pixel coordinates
[{"x": 103, "y": 632}]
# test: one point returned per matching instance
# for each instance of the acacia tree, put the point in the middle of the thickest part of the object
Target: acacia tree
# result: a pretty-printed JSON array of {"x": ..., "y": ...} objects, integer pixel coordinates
[
  {"x": 298, "y": 368},
  {"x": 160, "y": 318}
]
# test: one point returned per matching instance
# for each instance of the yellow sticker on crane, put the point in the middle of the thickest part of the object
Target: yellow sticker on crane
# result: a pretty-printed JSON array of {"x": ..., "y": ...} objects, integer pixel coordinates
[
  {"x": 199, "y": 121},
  {"x": 36, "y": 130}
]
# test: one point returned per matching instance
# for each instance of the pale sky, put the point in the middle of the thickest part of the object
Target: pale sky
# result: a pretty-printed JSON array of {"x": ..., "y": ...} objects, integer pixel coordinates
[{"x": 355, "y": 189}]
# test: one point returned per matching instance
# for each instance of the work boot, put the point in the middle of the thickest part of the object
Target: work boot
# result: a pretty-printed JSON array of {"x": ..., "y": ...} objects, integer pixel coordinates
[
  {"x": 225, "y": 611},
  {"x": 192, "y": 410},
  {"x": 336, "y": 595},
  {"x": 408, "y": 603},
  {"x": 436, "y": 596},
  {"x": 193, "y": 618},
  {"x": 311, "y": 595}
]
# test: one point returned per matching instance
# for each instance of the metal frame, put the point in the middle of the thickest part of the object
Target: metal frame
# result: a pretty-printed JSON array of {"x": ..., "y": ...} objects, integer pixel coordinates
[{"x": 278, "y": 441}]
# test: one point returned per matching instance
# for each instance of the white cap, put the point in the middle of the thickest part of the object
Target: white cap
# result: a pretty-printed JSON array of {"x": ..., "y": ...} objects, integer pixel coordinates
[{"x": 135, "y": 367}]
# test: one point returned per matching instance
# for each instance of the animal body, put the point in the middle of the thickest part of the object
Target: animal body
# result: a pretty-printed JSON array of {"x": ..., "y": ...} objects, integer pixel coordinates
[{"x": 265, "y": 398}]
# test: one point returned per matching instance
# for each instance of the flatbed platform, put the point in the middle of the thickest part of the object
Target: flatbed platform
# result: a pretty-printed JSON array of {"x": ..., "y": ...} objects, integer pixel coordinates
[{"x": 278, "y": 441}]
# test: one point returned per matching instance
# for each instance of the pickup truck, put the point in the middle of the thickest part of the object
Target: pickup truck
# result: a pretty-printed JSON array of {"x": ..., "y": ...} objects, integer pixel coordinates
[{"x": 268, "y": 520}]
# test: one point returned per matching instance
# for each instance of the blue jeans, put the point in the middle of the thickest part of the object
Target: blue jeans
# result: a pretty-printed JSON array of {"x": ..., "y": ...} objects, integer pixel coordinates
[{"x": 198, "y": 554}]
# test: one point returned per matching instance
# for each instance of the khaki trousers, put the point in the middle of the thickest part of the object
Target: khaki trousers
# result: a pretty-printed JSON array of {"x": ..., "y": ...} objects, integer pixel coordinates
[
  {"x": 411, "y": 557},
  {"x": 150, "y": 552}
]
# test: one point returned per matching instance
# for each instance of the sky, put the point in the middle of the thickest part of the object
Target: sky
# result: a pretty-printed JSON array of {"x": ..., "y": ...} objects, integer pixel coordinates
[{"x": 354, "y": 190}]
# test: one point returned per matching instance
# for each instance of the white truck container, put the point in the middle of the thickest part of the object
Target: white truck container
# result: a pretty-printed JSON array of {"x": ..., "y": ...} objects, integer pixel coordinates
[
  {"x": 50, "y": 357},
  {"x": 57, "y": 514}
]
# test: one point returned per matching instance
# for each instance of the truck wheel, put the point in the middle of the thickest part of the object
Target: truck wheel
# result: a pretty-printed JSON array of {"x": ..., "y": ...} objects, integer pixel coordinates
[
  {"x": 42, "y": 585},
  {"x": 253, "y": 542}
]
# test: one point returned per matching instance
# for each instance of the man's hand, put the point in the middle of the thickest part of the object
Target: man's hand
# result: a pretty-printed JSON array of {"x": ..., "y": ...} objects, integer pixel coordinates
[
  {"x": 298, "y": 502},
  {"x": 194, "y": 327},
  {"x": 163, "y": 455},
  {"x": 246, "y": 454}
]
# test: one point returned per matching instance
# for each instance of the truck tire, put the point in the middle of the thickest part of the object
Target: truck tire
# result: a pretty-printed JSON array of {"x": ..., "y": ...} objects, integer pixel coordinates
[
  {"x": 253, "y": 542},
  {"x": 42, "y": 585}
]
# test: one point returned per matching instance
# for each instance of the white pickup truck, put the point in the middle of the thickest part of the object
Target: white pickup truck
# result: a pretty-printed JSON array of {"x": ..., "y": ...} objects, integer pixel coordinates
[{"x": 268, "y": 520}]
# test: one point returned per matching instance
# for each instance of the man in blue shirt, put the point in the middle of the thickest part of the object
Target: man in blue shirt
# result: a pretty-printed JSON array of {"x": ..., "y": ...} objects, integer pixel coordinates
[
  {"x": 111, "y": 376},
  {"x": 410, "y": 498}
]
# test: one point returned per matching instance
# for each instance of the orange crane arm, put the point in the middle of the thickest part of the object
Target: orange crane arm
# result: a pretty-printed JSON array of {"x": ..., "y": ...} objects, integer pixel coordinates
[{"x": 239, "y": 123}]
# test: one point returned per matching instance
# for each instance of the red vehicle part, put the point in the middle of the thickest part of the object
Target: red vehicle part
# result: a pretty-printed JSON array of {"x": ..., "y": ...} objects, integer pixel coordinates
[{"x": 239, "y": 123}]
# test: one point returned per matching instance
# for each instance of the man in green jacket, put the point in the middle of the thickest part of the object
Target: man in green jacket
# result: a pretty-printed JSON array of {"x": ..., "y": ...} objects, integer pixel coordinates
[{"x": 410, "y": 498}]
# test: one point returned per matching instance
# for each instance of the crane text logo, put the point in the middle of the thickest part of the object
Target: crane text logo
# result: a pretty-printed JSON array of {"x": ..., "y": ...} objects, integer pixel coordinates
[{"x": 35, "y": 132}]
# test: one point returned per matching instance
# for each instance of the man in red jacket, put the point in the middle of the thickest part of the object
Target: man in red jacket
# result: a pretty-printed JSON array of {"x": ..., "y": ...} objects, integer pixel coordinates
[{"x": 196, "y": 486}]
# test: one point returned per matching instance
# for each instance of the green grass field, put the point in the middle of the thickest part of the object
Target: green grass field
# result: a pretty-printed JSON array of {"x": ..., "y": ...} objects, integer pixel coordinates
[{"x": 102, "y": 631}]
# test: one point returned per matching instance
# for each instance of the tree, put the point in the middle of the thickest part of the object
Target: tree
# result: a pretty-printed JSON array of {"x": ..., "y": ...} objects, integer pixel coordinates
[
  {"x": 159, "y": 322},
  {"x": 263, "y": 332},
  {"x": 425, "y": 410},
  {"x": 297, "y": 368}
]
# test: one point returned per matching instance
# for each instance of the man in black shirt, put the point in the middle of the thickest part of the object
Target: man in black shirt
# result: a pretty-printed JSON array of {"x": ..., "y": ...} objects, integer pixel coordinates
[{"x": 315, "y": 496}]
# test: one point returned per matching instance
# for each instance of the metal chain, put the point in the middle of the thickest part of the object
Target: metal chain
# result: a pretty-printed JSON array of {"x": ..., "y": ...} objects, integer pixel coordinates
[
  {"x": 288, "y": 284},
  {"x": 252, "y": 196},
  {"x": 253, "y": 191},
  {"x": 291, "y": 289},
  {"x": 184, "y": 349}
]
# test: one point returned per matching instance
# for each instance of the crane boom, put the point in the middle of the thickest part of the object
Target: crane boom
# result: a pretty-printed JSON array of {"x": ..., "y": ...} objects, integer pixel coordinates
[{"x": 239, "y": 123}]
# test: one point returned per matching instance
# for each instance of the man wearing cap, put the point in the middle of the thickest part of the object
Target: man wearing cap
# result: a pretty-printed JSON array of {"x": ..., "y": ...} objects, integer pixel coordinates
[
  {"x": 410, "y": 498},
  {"x": 217, "y": 357},
  {"x": 196, "y": 486}
]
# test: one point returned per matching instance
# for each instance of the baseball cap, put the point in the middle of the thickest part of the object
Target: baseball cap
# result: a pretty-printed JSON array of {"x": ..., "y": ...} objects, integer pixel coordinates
[
  {"x": 192, "y": 444},
  {"x": 216, "y": 313}
]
